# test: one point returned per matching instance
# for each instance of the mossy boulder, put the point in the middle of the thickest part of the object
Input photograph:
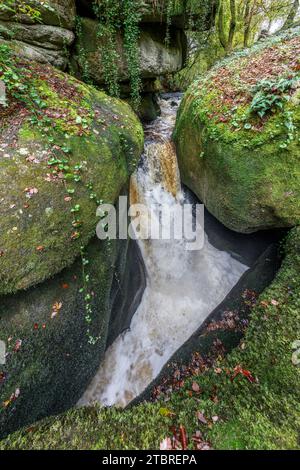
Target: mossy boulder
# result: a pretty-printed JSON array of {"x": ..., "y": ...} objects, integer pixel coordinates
[
  {"x": 237, "y": 136},
  {"x": 53, "y": 350},
  {"x": 256, "y": 408},
  {"x": 181, "y": 13},
  {"x": 156, "y": 58},
  {"x": 43, "y": 43},
  {"x": 51, "y": 12},
  {"x": 55, "y": 169}
]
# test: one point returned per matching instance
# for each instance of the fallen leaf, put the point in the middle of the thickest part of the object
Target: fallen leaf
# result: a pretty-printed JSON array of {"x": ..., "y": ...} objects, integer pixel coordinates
[
  {"x": 201, "y": 417},
  {"x": 18, "y": 345},
  {"x": 166, "y": 444},
  {"x": 183, "y": 437},
  {"x": 195, "y": 387}
]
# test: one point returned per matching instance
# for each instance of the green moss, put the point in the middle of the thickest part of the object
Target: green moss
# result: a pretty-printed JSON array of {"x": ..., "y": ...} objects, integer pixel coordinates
[
  {"x": 55, "y": 361},
  {"x": 260, "y": 415},
  {"x": 84, "y": 127},
  {"x": 249, "y": 171}
]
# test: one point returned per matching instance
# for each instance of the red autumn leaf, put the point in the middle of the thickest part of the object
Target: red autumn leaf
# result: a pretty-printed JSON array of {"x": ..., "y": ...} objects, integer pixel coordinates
[
  {"x": 246, "y": 373},
  {"x": 183, "y": 437},
  {"x": 18, "y": 345}
]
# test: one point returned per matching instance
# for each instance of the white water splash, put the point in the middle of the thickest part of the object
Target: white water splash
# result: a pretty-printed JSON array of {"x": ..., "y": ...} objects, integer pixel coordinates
[{"x": 183, "y": 287}]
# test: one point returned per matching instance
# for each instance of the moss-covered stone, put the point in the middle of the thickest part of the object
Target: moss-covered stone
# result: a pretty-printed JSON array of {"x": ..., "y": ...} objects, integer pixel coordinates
[
  {"x": 156, "y": 58},
  {"x": 245, "y": 168},
  {"x": 53, "y": 351},
  {"x": 261, "y": 413},
  {"x": 49, "y": 356},
  {"x": 84, "y": 127},
  {"x": 52, "y": 12},
  {"x": 181, "y": 13}
]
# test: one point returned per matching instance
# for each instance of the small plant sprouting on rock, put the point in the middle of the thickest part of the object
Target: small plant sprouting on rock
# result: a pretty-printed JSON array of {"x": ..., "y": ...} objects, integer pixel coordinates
[{"x": 270, "y": 95}]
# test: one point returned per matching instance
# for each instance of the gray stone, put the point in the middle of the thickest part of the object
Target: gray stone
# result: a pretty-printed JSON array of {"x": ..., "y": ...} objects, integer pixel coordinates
[
  {"x": 56, "y": 58},
  {"x": 155, "y": 57}
]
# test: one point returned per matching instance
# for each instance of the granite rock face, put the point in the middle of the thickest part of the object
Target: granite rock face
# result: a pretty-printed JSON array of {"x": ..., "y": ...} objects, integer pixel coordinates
[
  {"x": 45, "y": 35},
  {"x": 156, "y": 58},
  {"x": 240, "y": 158}
]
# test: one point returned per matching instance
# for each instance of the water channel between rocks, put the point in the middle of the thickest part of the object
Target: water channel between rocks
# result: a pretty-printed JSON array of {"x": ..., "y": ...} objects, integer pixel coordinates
[{"x": 183, "y": 287}]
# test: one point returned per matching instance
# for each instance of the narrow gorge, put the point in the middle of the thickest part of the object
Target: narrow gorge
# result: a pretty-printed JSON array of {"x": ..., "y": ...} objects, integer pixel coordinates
[{"x": 154, "y": 339}]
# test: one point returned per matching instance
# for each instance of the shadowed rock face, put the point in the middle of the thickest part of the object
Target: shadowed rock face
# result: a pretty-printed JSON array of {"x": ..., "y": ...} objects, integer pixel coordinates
[
  {"x": 49, "y": 358},
  {"x": 52, "y": 12}
]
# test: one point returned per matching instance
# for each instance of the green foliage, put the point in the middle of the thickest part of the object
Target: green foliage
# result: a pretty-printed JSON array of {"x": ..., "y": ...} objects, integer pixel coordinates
[
  {"x": 120, "y": 18},
  {"x": 131, "y": 38},
  {"x": 271, "y": 94},
  {"x": 82, "y": 52},
  {"x": 239, "y": 414},
  {"x": 17, "y": 83},
  {"x": 22, "y": 7}
]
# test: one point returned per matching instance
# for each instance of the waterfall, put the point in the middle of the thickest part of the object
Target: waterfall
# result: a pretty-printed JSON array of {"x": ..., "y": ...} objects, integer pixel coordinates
[{"x": 183, "y": 287}]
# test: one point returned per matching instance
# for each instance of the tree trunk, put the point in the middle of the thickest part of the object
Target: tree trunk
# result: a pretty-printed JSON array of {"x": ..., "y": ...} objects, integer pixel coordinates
[
  {"x": 227, "y": 40},
  {"x": 232, "y": 26},
  {"x": 248, "y": 17},
  {"x": 221, "y": 26},
  {"x": 292, "y": 15}
]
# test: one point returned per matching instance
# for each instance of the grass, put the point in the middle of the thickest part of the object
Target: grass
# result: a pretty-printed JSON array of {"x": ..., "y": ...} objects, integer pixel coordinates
[{"x": 258, "y": 412}]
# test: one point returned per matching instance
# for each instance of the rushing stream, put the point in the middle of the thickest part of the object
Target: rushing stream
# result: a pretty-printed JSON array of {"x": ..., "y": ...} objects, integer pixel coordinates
[{"x": 183, "y": 286}]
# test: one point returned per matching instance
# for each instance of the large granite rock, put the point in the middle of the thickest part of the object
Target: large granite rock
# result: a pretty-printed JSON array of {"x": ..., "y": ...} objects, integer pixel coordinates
[
  {"x": 45, "y": 38},
  {"x": 50, "y": 357},
  {"x": 238, "y": 152},
  {"x": 155, "y": 57},
  {"x": 103, "y": 135},
  {"x": 182, "y": 13},
  {"x": 51, "y": 12}
]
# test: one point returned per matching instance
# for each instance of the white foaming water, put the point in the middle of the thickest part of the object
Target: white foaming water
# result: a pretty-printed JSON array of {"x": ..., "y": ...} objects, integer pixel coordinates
[{"x": 183, "y": 287}]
